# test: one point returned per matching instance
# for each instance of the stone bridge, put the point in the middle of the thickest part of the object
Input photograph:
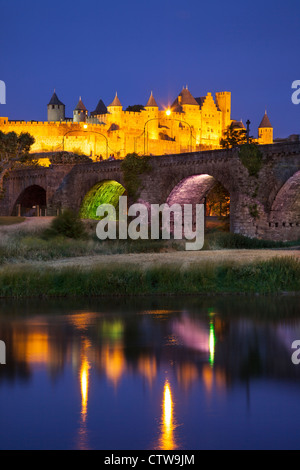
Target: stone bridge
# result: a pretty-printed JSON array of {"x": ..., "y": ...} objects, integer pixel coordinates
[{"x": 266, "y": 206}]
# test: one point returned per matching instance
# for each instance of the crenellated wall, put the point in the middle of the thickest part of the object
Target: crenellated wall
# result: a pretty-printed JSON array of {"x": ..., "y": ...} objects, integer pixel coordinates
[{"x": 193, "y": 127}]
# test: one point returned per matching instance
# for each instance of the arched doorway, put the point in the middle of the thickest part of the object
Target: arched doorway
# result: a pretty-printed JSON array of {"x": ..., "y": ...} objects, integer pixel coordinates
[
  {"x": 104, "y": 192},
  {"x": 31, "y": 202}
]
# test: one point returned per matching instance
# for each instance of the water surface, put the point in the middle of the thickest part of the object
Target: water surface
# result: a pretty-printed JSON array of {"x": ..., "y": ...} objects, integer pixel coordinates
[{"x": 152, "y": 373}]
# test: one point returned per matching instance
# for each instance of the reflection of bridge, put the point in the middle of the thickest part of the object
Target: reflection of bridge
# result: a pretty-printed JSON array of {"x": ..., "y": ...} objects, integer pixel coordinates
[{"x": 267, "y": 206}]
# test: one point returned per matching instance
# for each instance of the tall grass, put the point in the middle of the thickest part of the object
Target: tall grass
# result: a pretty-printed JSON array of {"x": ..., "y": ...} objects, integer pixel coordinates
[
  {"x": 225, "y": 240},
  {"x": 275, "y": 276},
  {"x": 30, "y": 248},
  {"x": 40, "y": 244}
]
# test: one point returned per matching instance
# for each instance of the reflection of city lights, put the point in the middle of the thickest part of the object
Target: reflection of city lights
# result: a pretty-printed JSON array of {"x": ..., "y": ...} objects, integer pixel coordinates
[
  {"x": 167, "y": 439},
  {"x": 187, "y": 373},
  {"x": 147, "y": 367},
  {"x": 33, "y": 346},
  {"x": 212, "y": 342},
  {"x": 84, "y": 384},
  {"x": 112, "y": 330},
  {"x": 167, "y": 407},
  {"x": 208, "y": 377},
  {"x": 114, "y": 363},
  {"x": 84, "y": 388}
]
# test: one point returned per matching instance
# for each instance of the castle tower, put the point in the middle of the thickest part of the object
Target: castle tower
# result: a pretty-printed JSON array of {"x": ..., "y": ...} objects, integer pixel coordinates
[
  {"x": 152, "y": 113},
  {"x": 223, "y": 100},
  {"x": 80, "y": 112},
  {"x": 265, "y": 131},
  {"x": 185, "y": 102},
  {"x": 115, "y": 106},
  {"x": 100, "y": 109},
  {"x": 55, "y": 109}
]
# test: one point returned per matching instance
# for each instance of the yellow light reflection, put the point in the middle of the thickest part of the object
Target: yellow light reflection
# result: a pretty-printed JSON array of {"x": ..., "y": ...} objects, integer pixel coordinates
[
  {"x": 167, "y": 439},
  {"x": 84, "y": 388},
  {"x": 33, "y": 347},
  {"x": 147, "y": 367},
  {"x": 208, "y": 377},
  {"x": 187, "y": 373},
  {"x": 84, "y": 384},
  {"x": 114, "y": 363}
]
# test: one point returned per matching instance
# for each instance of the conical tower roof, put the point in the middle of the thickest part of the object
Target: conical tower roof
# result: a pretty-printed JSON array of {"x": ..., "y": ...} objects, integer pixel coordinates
[
  {"x": 80, "y": 106},
  {"x": 55, "y": 100},
  {"x": 238, "y": 124},
  {"x": 151, "y": 102},
  {"x": 265, "y": 122},
  {"x": 185, "y": 98},
  {"x": 116, "y": 101},
  {"x": 100, "y": 109}
]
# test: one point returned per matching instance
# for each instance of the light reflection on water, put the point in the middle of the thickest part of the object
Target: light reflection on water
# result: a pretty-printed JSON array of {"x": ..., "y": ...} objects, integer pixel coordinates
[
  {"x": 167, "y": 439},
  {"x": 177, "y": 375}
]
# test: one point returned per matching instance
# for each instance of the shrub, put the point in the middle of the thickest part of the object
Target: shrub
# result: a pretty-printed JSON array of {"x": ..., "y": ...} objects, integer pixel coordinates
[
  {"x": 133, "y": 166},
  {"x": 251, "y": 158},
  {"x": 68, "y": 224},
  {"x": 223, "y": 240}
]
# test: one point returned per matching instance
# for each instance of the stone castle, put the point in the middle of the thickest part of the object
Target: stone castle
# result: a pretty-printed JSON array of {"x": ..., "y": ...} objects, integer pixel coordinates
[{"x": 189, "y": 124}]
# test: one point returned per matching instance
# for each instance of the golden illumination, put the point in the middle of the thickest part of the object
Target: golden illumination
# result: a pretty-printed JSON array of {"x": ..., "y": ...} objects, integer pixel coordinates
[
  {"x": 114, "y": 363},
  {"x": 208, "y": 121},
  {"x": 147, "y": 367},
  {"x": 84, "y": 388},
  {"x": 208, "y": 377},
  {"x": 33, "y": 347},
  {"x": 187, "y": 373},
  {"x": 84, "y": 384},
  {"x": 82, "y": 321},
  {"x": 167, "y": 439}
]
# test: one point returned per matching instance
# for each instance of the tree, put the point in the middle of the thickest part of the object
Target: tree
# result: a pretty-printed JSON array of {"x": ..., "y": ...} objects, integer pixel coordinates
[
  {"x": 218, "y": 201},
  {"x": 234, "y": 137},
  {"x": 133, "y": 167},
  {"x": 14, "y": 151},
  {"x": 136, "y": 108}
]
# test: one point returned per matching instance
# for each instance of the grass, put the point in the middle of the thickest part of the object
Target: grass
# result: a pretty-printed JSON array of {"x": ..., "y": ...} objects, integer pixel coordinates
[
  {"x": 23, "y": 246},
  {"x": 35, "y": 248},
  {"x": 11, "y": 220},
  {"x": 38, "y": 243},
  {"x": 274, "y": 276},
  {"x": 224, "y": 240},
  {"x": 268, "y": 277}
]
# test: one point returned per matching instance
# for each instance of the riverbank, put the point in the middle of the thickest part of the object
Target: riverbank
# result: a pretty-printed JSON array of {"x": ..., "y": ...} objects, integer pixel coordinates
[
  {"x": 35, "y": 265},
  {"x": 274, "y": 276}
]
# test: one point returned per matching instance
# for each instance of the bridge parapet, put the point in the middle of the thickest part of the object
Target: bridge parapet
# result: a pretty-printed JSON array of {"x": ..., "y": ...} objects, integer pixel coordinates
[{"x": 252, "y": 198}]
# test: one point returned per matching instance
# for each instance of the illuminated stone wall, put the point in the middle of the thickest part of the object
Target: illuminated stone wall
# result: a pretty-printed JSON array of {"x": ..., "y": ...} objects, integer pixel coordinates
[
  {"x": 150, "y": 131},
  {"x": 195, "y": 127},
  {"x": 266, "y": 206}
]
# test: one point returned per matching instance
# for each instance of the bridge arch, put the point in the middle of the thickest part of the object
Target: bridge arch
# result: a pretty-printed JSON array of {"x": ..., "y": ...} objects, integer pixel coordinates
[
  {"x": 103, "y": 192},
  {"x": 202, "y": 189},
  {"x": 30, "y": 201},
  {"x": 285, "y": 211},
  {"x": 287, "y": 200}
]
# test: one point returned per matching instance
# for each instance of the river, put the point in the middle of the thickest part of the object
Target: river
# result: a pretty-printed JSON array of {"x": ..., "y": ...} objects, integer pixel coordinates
[{"x": 150, "y": 373}]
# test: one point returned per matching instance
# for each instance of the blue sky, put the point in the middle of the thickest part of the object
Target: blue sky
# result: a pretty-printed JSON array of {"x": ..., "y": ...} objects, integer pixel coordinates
[{"x": 93, "y": 49}]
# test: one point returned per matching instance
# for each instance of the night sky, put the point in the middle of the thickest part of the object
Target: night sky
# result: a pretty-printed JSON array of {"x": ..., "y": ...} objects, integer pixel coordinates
[{"x": 93, "y": 49}]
